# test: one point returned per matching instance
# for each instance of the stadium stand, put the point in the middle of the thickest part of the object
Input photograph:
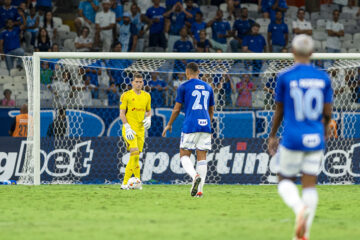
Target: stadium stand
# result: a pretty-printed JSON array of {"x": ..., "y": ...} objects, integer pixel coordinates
[{"x": 64, "y": 25}]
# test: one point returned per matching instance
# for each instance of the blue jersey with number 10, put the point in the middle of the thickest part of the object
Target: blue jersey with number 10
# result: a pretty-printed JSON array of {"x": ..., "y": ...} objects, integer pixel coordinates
[
  {"x": 196, "y": 96},
  {"x": 303, "y": 90}
]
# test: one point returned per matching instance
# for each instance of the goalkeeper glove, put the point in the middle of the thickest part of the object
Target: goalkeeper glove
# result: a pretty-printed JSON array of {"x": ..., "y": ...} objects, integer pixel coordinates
[
  {"x": 129, "y": 132},
  {"x": 147, "y": 122}
]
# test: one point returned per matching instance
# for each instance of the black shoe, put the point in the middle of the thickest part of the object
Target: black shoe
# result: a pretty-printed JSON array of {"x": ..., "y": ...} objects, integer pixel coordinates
[{"x": 195, "y": 185}]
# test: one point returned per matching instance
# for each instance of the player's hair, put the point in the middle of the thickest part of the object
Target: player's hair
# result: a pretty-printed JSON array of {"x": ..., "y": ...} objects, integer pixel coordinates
[
  {"x": 303, "y": 45},
  {"x": 193, "y": 67},
  {"x": 137, "y": 75}
]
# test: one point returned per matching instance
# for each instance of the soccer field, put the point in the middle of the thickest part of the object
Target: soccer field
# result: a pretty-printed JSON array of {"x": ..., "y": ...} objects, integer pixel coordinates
[{"x": 168, "y": 212}]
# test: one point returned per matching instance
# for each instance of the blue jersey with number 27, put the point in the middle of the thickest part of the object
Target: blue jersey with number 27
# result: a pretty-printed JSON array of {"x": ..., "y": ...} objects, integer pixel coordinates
[
  {"x": 196, "y": 96},
  {"x": 303, "y": 90}
]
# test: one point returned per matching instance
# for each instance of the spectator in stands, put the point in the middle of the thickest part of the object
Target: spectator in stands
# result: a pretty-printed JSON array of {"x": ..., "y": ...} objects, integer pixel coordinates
[
  {"x": 245, "y": 89},
  {"x": 59, "y": 127},
  {"x": 137, "y": 19},
  {"x": 55, "y": 48},
  {"x": 84, "y": 42},
  {"x": 155, "y": 20},
  {"x": 44, "y": 5},
  {"x": 105, "y": 23},
  {"x": 254, "y": 42},
  {"x": 269, "y": 90},
  {"x": 203, "y": 45},
  {"x": 45, "y": 73},
  {"x": 116, "y": 69},
  {"x": 339, "y": 85},
  {"x": 190, "y": 8},
  {"x": 113, "y": 95},
  {"x": 9, "y": 12},
  {"x": 270, "y": 7},
  {"x": 241, "y": 28},
  {"x": 220, "y": 31},
  {"x": 31, "y": 30},
  {"x": 170, "y": 3},
  {"x": 61, "y": 90},
  {"x": 228, "y": 88},
  {"x": 22, "y": 15},
  {"x": 278, "y": 34},
  {"x": 23, "y": 6},
  {"x": 335, "y": 31},
  {"x": 10, "y": 44},
  {"x": 177, "y": 15},
  {"x": 43, "y": 41},
  {"x": 197, "y": 26},
  {"x": 158, "y": 89},
  {"x": 233, "y": 6},
  {"x": 7, "y": 101},
  {"x": 118, "y": 9},
  {"x": 86, "y": 90},
  {"x": 87, "y": 13},
  {"x": 301, "y": 26},
  {"x": 354, "y": 85},
  {"x": 180, "y": 79},
  {"x": 48, "y": 24},
  {"x": 127, "y": 34},
  {"x": 183, "y": 45}
]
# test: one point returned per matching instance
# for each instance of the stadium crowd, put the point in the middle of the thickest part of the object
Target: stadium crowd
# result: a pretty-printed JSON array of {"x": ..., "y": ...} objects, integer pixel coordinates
[{"x": 173, "y": 26}]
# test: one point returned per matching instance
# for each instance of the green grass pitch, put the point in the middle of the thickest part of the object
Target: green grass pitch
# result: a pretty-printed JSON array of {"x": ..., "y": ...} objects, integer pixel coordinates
[{"x": 168, "y": 212}]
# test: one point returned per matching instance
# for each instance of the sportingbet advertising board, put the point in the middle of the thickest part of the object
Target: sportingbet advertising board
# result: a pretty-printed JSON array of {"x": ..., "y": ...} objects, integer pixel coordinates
[{"x": 96, "y": 160}]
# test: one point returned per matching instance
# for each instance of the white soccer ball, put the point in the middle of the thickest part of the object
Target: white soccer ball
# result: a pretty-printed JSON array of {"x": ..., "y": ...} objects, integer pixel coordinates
[{"x": 134, "y": 183}]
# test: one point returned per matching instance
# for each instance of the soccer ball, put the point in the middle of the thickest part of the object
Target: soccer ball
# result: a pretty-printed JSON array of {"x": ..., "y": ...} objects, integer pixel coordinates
[{"x": 134, "y": 183}]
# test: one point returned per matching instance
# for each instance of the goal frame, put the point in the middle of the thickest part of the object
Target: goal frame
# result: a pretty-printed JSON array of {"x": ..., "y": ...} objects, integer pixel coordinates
[{"x": 37, "y": 56}]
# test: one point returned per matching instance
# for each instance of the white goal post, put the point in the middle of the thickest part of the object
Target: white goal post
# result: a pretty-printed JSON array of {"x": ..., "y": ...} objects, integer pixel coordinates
[{"x": 36, "y": 63}]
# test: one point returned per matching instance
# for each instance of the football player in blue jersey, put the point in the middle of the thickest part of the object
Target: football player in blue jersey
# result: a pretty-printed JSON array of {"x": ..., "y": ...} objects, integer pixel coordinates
[
  {"x": 303, "y": 102},
  {"x": 197, "y": 97}
]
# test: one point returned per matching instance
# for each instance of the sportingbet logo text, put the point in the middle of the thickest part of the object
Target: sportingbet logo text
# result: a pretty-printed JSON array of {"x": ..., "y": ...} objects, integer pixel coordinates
[
  {"x": 336, "y": 164},
  {"x": 57, "y": 163}
]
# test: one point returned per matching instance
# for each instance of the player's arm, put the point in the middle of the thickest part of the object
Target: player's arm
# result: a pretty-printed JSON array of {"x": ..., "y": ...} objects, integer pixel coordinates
[
  {"x": 123, "y": 107},
  {"x": 278, "y": 117},
  {"x": 211, "y": 113},
  {"x": 147, "y": 119},
  {"x": 123, "y": 116},
  {"x": 175, "y": 113},
  {"x": 211, "y": 105}
]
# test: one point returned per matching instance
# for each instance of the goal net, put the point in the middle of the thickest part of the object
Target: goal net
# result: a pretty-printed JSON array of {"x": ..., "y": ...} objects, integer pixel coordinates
[{"x": 74, "y": 97}]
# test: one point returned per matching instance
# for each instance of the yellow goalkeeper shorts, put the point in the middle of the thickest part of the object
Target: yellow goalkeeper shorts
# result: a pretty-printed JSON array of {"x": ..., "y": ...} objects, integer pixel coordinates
[{"x": 137, "y": 142}]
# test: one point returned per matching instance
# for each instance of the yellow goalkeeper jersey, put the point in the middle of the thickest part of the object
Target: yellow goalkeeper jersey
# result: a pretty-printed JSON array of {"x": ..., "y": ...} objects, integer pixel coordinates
[{"x": 135, "y": 106}]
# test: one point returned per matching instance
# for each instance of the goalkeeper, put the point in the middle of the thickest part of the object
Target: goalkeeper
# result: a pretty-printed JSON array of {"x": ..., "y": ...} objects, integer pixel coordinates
[{"x": 135, "y": 114}]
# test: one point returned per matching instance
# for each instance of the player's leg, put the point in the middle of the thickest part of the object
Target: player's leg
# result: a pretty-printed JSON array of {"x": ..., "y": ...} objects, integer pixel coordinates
[
  {"x": 140, "y": 143},
  {"x": 189, "y": 169},
  {"x": 310, "y": 169},
  {"x": 186, "y": 146},
  {"x": 134, "y": 155},
  {"x": 130, "y": 166},
  {"x": 201, "y": 169},
  {"x": 203, "y": 144},
  {"x": 290, "y": 163}
]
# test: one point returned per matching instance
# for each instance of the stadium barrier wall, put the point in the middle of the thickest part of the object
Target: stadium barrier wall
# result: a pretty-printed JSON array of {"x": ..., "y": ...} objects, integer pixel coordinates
[
  {"x": 99, "y": 122},
  {"x": 239, "y": 161}
]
